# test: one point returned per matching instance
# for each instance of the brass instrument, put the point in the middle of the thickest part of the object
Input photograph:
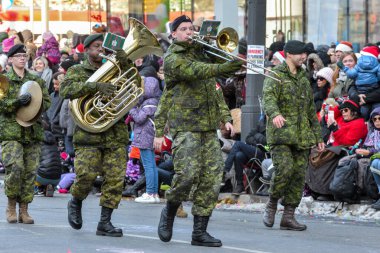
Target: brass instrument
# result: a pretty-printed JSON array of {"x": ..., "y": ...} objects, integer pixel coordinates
[
  {"x": 4, "y": 86},
  {"x": 25, "y": 115},
  {"x": 227, "y": 41},
  {"x": 97, "y": 113}
]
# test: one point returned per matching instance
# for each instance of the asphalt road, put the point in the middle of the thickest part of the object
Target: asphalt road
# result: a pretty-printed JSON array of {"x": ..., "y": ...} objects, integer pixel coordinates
[{"x": 239, "y": 231}]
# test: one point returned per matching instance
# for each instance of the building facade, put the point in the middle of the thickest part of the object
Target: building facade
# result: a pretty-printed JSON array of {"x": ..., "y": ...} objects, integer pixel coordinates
[{"x": 321, "y": 22}]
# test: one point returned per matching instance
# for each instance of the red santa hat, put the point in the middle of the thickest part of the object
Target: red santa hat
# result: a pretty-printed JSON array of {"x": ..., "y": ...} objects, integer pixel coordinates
[
  {"x": 280, "y": 55},
  {"x": 370, "y": 51},
  {"x": 344, "y": 46}
]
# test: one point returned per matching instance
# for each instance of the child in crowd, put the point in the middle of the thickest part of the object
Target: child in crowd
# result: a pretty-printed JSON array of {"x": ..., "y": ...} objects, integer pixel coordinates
[{"x": 144, "y": 132}]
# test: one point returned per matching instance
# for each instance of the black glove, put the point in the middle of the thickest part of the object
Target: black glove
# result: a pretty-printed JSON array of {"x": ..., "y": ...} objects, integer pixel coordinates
[
  {"x": 24, "y": 99},
  {"x": 106, "y": 88},
  {"x": 122, "y": 58},
  {"x": 230, "y": 67},
  {"x": 340, "y": 65}
]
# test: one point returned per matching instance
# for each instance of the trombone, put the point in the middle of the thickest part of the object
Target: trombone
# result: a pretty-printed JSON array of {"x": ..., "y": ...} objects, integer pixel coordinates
[{"x": 226, "y": 41}]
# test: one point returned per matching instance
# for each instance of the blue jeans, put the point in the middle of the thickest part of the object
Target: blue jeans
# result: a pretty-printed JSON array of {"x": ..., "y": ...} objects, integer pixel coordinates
[
  {"x": 151, "y": 174},
  {"x": 376, "y": 165},
  {"x": 239, "y": 155}
]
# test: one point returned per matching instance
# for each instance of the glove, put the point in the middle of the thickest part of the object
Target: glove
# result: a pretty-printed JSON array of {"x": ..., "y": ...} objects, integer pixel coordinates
[
  {"x": 340, "y": 65},
  {"x": 106, "y": 88},
  {"x": 122, "y": 58},
  {"x": 24, "y": 99},
  {"x": 230, "y": 67}
]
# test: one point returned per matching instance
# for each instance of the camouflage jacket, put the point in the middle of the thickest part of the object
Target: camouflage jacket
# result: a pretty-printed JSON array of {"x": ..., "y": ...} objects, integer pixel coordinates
[
  {"x": 74, "y": 86},
  {"x": 10, "y": 129},
  {"x": 293, "y": 99},
  {"x": 190, "y": 101}
]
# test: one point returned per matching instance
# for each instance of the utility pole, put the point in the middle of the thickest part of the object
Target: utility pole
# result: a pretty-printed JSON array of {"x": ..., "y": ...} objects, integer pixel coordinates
[{"x": 256, "y": 36}]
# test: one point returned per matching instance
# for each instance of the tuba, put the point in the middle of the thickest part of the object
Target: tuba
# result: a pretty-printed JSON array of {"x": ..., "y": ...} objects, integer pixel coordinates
[
  {"x": 25, "y": 115},
  {"x": 97, "y": 113}
]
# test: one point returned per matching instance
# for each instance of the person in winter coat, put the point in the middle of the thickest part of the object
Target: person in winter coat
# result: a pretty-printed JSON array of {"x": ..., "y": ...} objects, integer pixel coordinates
[
  {"x": 144, "y": 132},
  {"x": 366, "y": 74},
  {"x": 313, "y": 65},
  {"x": 241, "y": 153},
  {"x": 49, "y": 170},
  {"x": 371, "y": 148},
  {"x": 347, "y": 127},
  {"x": 50, "y": 49},
  {"x": 322, "y": 87},
  {"x": 41, "y": 68},
  {"x": 54, "y": 110}
]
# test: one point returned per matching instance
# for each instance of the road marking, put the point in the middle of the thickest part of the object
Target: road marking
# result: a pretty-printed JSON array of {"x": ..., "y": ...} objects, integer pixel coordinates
[{"x": 186, "y": 242}]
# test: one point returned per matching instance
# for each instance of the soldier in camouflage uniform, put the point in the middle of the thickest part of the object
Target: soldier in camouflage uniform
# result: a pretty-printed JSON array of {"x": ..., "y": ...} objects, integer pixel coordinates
[
  {"x": 96, "y": 153},
  {"x": 21, "y": 146},
  {"x": 192, "y": 108},
  {"x": 292, "y": 129}
]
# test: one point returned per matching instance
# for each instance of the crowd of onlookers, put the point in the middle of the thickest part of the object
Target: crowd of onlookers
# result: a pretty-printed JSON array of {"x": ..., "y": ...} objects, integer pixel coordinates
[{"x": 346, "y": 95}]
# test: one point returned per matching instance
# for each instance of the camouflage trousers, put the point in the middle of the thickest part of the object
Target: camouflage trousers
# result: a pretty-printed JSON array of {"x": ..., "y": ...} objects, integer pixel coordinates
[
  {"x": 288, "y": 178},
  {"x": 21, "y": 162},
  {"x": 198, "y": 166},
  {"x": 106, "y": 162}
]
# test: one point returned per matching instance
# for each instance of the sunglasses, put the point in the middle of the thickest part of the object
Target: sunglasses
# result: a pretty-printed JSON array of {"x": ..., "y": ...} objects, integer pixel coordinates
[
  {"x": 320, "y": 78},
  {"x": 344, "y": 110},
  {"x": 374, "y": 119}
]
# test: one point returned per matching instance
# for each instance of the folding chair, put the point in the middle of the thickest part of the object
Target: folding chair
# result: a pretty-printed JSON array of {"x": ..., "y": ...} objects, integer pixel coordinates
[{"x": 253, "y": 170}]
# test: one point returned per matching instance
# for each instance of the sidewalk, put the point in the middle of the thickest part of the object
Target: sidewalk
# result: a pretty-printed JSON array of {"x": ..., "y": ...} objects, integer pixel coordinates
[{"x": 307, "y": 207}]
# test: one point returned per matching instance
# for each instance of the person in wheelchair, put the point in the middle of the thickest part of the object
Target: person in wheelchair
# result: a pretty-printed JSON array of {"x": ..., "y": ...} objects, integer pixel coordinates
[{"x": 242, "y": 152}]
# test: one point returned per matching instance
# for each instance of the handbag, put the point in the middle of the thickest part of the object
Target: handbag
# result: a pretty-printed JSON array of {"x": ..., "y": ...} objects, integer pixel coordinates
[{"x": 317, "y": 159}]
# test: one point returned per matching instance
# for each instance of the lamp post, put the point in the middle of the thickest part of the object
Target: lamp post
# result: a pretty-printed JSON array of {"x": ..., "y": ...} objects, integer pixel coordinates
[{"x": 256, "y": 36}]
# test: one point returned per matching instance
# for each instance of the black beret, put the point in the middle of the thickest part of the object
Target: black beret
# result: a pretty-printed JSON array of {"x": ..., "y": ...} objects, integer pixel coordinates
[
  {"x": 294, "y": 47},
  {"x": 19, "y": 48},
  {"x": 180, "y": 20},
  {"x": 93, "y": 37}
]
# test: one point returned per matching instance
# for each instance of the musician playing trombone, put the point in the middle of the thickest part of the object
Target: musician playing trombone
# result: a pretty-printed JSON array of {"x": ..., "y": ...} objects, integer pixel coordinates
[
  {"x": 192, "y": 108},
  {"x": 21, "y": 145},
  {"x": 100, "y": 153}
]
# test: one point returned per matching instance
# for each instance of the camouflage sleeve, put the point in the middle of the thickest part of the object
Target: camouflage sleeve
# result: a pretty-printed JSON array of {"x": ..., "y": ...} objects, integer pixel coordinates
[
  {"x": 161, "y": 115},
  {"x": 270, "y": 98},
  {"x": 45, "y": 95},
  {"x": 225, "y": 115},
  {"x": 74, "y": 85},
  {"x": 185, "y": 69},
  {"x": 8, "y": 105},
  {"x": 314, "y": 123}
]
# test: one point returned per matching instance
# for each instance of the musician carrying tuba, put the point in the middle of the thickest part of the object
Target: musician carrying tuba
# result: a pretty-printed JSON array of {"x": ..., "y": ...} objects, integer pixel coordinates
[
  {"x": 20, "y": 135},
  {"x": 101, "y": 95}
]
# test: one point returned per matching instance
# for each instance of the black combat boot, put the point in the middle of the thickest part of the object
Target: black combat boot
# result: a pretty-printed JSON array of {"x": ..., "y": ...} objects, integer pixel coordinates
[
  {"x": 165, "y": 227},
  {"x": 200, "y": 237},
  {"x": 105, "y": 226},
  {"x": 288, "y": 222},
  {"x": 270, "y": 212},
  {"x": 133, "y": 190},
  {"x": 74, "y": 208}
]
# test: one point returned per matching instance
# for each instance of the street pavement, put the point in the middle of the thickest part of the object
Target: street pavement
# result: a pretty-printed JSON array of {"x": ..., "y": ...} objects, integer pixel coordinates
[{"x": 239, "y": 231}]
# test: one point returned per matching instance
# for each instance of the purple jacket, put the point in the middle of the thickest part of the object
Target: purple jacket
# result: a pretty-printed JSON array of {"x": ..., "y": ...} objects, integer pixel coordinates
[
  {"x": 50, "y": 49},
  {"x": 143, "y": 115}
]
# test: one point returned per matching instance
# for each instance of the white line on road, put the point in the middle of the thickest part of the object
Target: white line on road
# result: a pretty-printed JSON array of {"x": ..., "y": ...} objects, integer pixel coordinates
[{"x": 186, "y": 242}]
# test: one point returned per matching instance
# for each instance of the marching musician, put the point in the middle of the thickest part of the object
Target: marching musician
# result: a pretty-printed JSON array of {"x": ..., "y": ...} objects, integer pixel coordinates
[
  {"x": 96, "y": 153},
  {"x": 193, "y": 109},
  {"x": 21, "y": 146}
]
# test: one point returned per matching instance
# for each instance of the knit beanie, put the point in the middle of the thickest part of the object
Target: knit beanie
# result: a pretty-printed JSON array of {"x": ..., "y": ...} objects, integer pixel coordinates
[
  {"x": 8, "y": 43},
  {"x": 327, "y": 73},
  {"x": 295, "y": 47},
  {"x": 370, "y": 51},
  {"x": 344, "y": 46},
  {"x": 280, "y": 55}
]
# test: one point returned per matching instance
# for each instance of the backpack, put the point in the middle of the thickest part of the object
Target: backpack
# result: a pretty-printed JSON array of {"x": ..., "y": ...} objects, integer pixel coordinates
[
  {"x": 370, "y": 186},
  {"x": 343, "y": 185}
]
